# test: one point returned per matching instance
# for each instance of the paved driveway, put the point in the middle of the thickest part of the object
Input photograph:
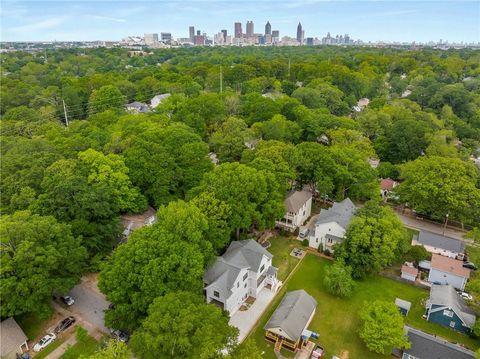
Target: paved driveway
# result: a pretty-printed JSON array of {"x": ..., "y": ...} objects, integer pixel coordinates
[
  {"x": 245, "y": 320},
  {"x": 89, "y": 303}
]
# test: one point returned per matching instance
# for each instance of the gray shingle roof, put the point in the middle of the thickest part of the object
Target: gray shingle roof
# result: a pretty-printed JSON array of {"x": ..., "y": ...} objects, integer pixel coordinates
[
  {"x": 293, "y": 313},
  {"x": 403, "y": 304},
  {"x": 445, "y": 295},
  {"x": 296, "y": 199},
  {"x": 426, "y": 346},
  {"x": 439, "y": 241},
  {"x": 240, "y": 255},
  {"x": 11, "y": 337},
  {"x": 340, "y": 212}
]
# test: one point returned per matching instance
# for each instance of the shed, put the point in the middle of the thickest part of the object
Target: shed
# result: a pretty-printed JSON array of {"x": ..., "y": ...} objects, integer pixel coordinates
[
  {"x": 403, "y": 305},
  {"x": 409, "y": 273},
  {"x": 12, "y": 339}
]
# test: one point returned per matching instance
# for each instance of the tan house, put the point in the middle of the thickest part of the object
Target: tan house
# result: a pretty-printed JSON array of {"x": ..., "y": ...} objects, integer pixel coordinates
[
  {"x": 13, "y": 340},
  {"x": 290, "y": 320}
]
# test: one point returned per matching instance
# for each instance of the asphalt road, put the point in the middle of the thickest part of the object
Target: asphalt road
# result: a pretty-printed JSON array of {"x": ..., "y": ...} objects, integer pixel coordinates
[{"x": 89, "y": 304}]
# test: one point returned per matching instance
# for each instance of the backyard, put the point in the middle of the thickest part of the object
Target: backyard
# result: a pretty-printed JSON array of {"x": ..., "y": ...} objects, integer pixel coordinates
[
  {"x": 336, "y": 319},
  {"x": 281, "y": 246}
]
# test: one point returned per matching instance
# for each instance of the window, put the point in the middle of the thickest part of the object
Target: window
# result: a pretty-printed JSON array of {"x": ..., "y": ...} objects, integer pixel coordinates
[
  {"x": 238, "y": 284},
  {"x": 262, "y": 268},
  {"x": 452, "y": 324},
  {"x": 448, "y": 313},
  {"x": 245, "y": 277},
  {"x": 245, "y": 285},
  {"x": 329, "y": 240},
  {"x": 216, "y": 294}
]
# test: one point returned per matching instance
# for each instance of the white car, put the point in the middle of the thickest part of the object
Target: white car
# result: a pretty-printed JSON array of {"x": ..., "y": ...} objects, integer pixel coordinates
[
  {"x": 67, "y": 300},
  {"x": 44, "y": 342},
  {"x": 465, "y": 296}
]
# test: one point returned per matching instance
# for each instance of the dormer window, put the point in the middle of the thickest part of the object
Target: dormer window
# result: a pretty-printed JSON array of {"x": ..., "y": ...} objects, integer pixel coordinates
[
  {"x": 245, "y": 277},
  {"x": 262, "y": 268},
  {"x": 216, "y": 294}
]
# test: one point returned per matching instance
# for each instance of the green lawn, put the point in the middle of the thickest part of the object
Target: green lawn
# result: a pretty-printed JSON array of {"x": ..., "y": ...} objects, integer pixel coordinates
[
  {"x": 86, "y": 347},
  {"x": 280, "y": 248},
  {"x": 45, "y": 352},
  {"x": 336, "y": 320},
  {"x": 31, "y": 324}
]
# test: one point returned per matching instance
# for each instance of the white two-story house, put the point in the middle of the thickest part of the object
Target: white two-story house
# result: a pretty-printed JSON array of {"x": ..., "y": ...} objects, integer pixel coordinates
[
  {"x": 332, "y": 224},
  {"x": 299, "y": 208},
  {"x": 241, "y": 272}
]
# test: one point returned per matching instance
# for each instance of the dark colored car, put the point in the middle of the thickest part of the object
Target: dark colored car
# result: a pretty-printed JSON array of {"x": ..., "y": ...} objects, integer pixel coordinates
[
  {"x": 64, "y": 324},
  {"x": 120, "y": 335},
  {"x": 469, "y": 265}
]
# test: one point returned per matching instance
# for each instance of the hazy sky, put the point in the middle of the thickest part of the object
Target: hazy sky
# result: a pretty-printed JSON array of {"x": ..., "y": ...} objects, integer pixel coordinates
[{"x": 367, "y": 20}]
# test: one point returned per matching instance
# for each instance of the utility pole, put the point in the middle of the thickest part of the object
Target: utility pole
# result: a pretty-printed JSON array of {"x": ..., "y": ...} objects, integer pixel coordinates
[
  {"x": 221, "y": 79},
  {"x": 446, "y": 222},
  {"x": 65, "y": 112}
]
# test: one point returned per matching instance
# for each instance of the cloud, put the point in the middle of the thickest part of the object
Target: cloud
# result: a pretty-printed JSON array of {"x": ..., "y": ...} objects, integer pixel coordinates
[
  {"x": 39, "y": 25},
  {"x": 108, "y": 18}
]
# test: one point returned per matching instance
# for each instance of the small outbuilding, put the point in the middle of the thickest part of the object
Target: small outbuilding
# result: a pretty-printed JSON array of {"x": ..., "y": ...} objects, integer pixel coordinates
[
  {"x": 403, "y": 305},
  {"x": 290, "y": 320},
  {"x": 13, "y": 340},
  {"x": 409, "y": 273}
]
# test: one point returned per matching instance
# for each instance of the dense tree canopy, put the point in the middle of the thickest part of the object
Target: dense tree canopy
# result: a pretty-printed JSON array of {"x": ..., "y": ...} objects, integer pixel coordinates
[
  {"x": 39, "y": 257},
  {"x": 182, "y": 325}
]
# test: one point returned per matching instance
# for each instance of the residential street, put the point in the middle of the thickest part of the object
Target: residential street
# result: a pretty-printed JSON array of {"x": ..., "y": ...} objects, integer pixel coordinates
[{"x": 425, "y": 225}]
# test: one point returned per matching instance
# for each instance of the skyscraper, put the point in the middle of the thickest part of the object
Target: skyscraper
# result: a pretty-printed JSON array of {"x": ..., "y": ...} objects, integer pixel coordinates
[
  {"x": 299, "y": 33},
  {"x": 249, "y": 28},
  {"x": 268, "y": 28},
  {"x": 191, "y": 31},
  {"x": 238, "y": 30},
  {"x": 224, "y": 32},
  {"x": 150, "y": 39}
]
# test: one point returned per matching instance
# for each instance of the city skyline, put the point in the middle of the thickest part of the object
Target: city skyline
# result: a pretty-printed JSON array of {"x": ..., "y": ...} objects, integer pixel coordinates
[{"x": 454, "y": 21}]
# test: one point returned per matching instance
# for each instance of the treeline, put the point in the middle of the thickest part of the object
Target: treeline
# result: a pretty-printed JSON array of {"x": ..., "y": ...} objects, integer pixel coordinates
[{"x": 284, "y": 119}]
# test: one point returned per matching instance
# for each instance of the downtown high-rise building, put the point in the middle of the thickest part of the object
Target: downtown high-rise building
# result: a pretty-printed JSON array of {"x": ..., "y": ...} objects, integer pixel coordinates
[
  {"x": 191, "y": 32},
  {"x": 238, "y": 30},
  {"x": 268, "y": 28},
  {"x": 250, "y": 29},
  {"x": 224, "y": 32},
  {"x": 300, "y": 33},
  {"x": 150, "y": 39}
]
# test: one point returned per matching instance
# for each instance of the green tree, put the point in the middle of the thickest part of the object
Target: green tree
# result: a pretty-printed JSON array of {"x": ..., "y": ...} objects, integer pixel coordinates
[
  {"x": 248, "y": 349},
  {"x": 39, "y": 257},
  {"x": 182, "y": 325},
  {"x": 228, "y": 141},
  {"x": 374, "y": 238},
  {"x": 22, "y": 113},
  {"x": 105, "y": 98},
  {"x": 278, "y": 128},
  {"x": 418, "y": 253},
  {"x": 439, "y": 186},
  {"x": 382, "y": 328},
  {"x": 217, "y": 213},
  {"x": 114, "y": 349},
  {"x": 152, "y": 263},
  {"x": 254, "y": 197},
  {"x": 338, "y": 279}
]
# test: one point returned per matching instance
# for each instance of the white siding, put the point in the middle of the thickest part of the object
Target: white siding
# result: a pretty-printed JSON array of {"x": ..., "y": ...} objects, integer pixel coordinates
[
  {"x": 408, "y": 276},
  {"x": 321, "y": 230},
  {"x": 430, "y": 249},
  {"x": 436, "y": 275}
]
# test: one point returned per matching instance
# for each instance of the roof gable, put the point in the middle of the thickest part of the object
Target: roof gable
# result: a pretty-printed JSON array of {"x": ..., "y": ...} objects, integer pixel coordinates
[
  {"x": 341, "y": 213},
  {"x": 293, "y": 313},
  {"x": 446, "y": 296},
  {"x": 449, "y": 265},
  {"x": 296, "y": 199},
  {"x": 12, "y": 336}
]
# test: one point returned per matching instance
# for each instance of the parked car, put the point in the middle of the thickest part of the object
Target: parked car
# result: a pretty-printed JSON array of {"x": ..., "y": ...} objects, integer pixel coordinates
[
  {"x": 44, "y": 342},
  {"x": 67, "y": 300},
  {"x": 303, "y": 233},
  {"x": 64, "y": 324},
  {"x": 318, "y": 352},
  {"x": 469, "y": 265},
  {"x": 120, "y": 335},
  {"x": 465, "y": 295}
]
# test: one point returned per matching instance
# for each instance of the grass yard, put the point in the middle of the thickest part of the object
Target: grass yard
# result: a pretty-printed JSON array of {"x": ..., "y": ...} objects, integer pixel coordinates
[
  {"x": 85, "y": 347},
  {"x": 281, "y": 247},
  {"x": 336, "y": 319},
  {"x": 45, "y": 352},
  {"x": 31, "y": 324}
]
